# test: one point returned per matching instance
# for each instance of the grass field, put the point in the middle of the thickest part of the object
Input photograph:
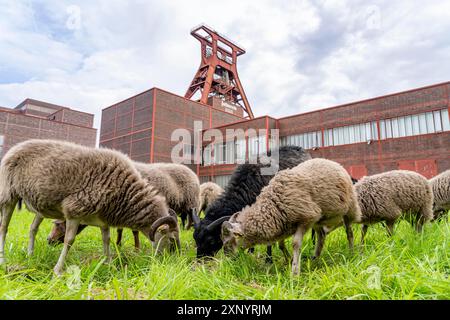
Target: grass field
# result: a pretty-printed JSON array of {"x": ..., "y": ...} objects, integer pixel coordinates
[{"x": 407, "y": 266}]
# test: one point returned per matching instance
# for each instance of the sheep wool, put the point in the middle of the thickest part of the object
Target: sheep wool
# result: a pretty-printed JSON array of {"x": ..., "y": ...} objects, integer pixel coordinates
[
  {"x": 62, "y": 180},
  {"x": 390, "y": 195},
  {"x": 209, "y": 191},
  {"x": 440, "y": 185},
  {"x": 315, "y": 194}
]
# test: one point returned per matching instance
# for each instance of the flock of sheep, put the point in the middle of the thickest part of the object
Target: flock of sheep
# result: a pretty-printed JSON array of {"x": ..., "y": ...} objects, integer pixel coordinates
[{"x": 79, "y": 186}]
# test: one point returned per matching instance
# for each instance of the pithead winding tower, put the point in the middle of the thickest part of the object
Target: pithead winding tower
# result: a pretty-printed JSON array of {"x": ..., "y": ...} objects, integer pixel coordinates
[{"x": 217, "y": 75}]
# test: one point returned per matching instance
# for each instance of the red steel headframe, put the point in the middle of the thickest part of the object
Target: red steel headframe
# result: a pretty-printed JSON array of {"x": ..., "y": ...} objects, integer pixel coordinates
[{"x": 217, "y": 74}]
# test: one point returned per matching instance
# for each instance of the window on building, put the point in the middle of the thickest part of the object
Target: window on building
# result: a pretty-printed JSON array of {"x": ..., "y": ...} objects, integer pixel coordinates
[
  {"x": 445, "y": 120},
  {"x": 240, "y": 151},
  {"x": 2, "y": 140},
  {"x": 429, "y": 122}
]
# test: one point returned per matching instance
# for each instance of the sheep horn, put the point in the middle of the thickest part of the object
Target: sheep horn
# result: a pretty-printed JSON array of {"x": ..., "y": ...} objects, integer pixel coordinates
[
  {"x": 195, "y": 218},
  {"x": 217, "y": 223},
  {"x": 169, "y": 220},
  {"x": 173, "y": 213}
]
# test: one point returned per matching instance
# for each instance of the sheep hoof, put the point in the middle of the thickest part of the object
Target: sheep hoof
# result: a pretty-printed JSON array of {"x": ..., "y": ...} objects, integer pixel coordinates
[
  {"x": 57, "y": 272},
  {"x": 313, "y": 258}
]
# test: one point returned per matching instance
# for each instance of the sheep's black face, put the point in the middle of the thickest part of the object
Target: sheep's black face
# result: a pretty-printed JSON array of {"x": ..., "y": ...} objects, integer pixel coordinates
[{"x": 208, "y": 242}]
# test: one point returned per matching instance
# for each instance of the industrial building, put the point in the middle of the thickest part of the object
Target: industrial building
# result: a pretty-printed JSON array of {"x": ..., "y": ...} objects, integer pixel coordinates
[
  {"x": 405, "y": 130},
  {"x": 33, "y": 119}
]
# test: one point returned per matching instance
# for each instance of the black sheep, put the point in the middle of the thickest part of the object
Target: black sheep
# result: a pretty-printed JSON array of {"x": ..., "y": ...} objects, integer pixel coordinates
[{"x": 245, "y": 185}]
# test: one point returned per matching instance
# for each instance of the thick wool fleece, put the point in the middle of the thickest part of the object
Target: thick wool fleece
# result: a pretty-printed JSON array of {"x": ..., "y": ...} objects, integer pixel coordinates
[
  {"x": 63, "y": 180},
  {"x": 209, "y": 191},
  {"x": 318, "y": 192},
  {"x": 176, "y": 182},
  {"x": 244, "y": 186},
  {"x": 385, "y": 196},
  {"x": 440, "y": 185}
]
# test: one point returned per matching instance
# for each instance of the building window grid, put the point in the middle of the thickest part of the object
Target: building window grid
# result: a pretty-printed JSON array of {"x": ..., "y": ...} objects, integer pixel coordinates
[
  {"x": 428, "y": 122},
  {"x": 411, "y": 125}
]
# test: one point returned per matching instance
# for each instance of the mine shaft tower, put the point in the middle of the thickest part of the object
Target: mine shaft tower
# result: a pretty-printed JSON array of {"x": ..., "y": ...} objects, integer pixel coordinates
[{"x": 217, "y": 75}]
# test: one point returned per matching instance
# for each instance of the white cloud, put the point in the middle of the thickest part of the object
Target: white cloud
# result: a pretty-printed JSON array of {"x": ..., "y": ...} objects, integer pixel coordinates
[{"x": 301, "y": 55}]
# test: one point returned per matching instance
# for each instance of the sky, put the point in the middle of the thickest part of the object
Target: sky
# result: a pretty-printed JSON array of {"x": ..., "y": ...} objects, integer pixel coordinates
[{"x": 300, "y": 55}]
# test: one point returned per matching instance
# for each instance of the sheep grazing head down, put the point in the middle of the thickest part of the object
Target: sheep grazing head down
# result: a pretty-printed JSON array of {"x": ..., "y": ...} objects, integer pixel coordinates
[
  {"x": 165, "y": 234},
  {"x": 207, "y": 236},
  {"x": 232, "y": 237},
  {"x": 57, "y": 233}
]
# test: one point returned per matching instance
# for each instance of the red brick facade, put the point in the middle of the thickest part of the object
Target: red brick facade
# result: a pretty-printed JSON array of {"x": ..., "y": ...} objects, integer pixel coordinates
[
  {"x": 141, "y": 126},
  {"x": 24, "y": 123}
]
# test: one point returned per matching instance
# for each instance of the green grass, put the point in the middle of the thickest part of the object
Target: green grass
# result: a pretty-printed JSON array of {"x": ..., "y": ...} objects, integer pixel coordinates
[{"x": 408, "y": 266}]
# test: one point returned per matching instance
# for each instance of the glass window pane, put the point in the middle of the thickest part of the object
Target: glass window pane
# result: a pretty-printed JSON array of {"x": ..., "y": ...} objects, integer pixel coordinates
[
  {"x": 415, "y": 125},
  {"x": 382, "y": 129},
  {"x": 395, "y": 131},
  {"x": 388, "y": 128},
  {"x": 430, "y": 122},
  {"x": 335, "y": 137},
  {"x": 437, "y": 121},
  {"x": 445, "y": 120},
  {"x": 319, "y": 139},
  {"x": 422, "y": 124},
  {"x": 368, "y": 131},
  {"x": 330, "y": 136},
  {"x": 408, "y": 126},
  {"x": 374, "y": 130},
  {"x": 401, "y": 127}
]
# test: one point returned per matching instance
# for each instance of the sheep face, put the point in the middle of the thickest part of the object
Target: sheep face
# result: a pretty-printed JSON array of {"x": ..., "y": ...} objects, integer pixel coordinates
[
  {"x": 166, "y": 239},
  {"x": 57, "y": 233},
  {"x": 208, "y": 242},
  {"x": 231, "y": 236}
]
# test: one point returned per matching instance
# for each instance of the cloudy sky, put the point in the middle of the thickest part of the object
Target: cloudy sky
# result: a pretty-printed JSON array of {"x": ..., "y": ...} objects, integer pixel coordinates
[{"x": 301, "y": 55}]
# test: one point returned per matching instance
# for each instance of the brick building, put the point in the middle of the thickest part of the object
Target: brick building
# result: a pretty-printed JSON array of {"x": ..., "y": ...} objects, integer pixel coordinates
[
  {"x": 141, "y": 126},
  {"x": 37, "y": 119},
  {"x": 406, "y": 130}
]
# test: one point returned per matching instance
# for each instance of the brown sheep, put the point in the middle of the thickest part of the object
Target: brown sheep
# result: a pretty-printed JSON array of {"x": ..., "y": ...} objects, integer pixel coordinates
[
  {"x": 61, "y": 180},
  {"x": 317, "y": 194}
]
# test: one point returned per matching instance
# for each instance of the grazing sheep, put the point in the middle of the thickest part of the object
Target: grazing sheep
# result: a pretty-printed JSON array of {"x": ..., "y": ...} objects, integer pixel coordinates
[
  {"x": 386, "y": 196},
  {"x": 316, "y": 194},
  {"x": 244, "y": 186},
  {"x": 61, "y": 180},
  {"x": 209, "y": 191},
  {"x": 176, "y": 182},
  {"x": 440, "y": 185}
]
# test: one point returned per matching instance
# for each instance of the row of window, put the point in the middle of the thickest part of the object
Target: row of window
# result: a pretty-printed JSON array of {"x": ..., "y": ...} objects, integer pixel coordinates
[
  {"x": 429, "y": 122},
  {"x": 423, "y": 123},
  {"x": 232, "y": 152}
]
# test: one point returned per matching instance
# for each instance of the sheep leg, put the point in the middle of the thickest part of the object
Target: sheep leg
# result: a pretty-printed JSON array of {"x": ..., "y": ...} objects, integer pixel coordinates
[
  {"x": 285, "y": 251},
  {"x": 349, "y": 232},
  {"x": 119, "y": 237},
  {"x": 390, "y": 228},
  {"x": 313, "y": 236},
  {"x": 183, "y": 220},
  {"x": 137, "y": 244},
  {"x": 33, "y": 231},
  {"x": 7, "y": 212},
  {"x": 269, "y": 255},
  {"x": 106, "y": 240},
  {"x": 297, "y": 246},
  {"x": 69, "y": 238},
  {"x": 251, "y": 250},
  {"x": 321, "y": 234},
  {"x": 363, "y": 232}
]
